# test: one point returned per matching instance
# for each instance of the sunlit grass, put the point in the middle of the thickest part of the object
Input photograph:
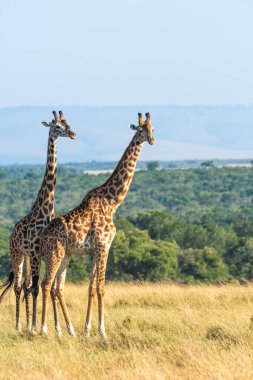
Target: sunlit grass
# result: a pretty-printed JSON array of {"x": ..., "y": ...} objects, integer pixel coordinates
[{"x": 155, "y": 331}]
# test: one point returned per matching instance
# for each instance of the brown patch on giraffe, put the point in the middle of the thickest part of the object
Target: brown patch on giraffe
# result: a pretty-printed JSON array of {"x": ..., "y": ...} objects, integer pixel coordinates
[
  {"x": 41, "y": 215},
  {"x": 125, "y": 177},
  {"x": 50, "y": 177},
  {"x": 50, "y": 187},
  {"x": 112, "y": 190}
]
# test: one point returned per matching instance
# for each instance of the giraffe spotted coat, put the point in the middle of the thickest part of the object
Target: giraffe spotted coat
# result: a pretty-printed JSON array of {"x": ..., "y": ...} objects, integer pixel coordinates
[
  {"x": 89, "y": 228},
  {"x": 24, "y": 240}
]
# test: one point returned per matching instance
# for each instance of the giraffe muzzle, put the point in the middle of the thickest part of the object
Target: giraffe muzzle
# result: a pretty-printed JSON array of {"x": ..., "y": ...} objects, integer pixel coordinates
[{"x": 73, "y": 136}]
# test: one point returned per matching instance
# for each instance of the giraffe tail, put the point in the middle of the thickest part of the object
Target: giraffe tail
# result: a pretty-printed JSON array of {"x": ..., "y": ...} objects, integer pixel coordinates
[{"x": 7, "y": 286}]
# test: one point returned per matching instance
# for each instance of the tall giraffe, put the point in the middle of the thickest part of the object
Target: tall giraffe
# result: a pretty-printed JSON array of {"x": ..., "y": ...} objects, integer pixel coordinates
[
  {"x": 89, "y": 228},
  {"x": 24, "y": 241}
]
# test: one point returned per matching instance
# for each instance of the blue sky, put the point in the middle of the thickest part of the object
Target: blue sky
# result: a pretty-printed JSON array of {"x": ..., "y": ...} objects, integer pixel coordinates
[{"x": 126, "y": 52}]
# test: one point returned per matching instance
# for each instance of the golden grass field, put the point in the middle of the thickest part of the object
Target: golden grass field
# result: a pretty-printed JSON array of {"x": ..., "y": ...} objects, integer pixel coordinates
[{"x": 155, "y": 331}]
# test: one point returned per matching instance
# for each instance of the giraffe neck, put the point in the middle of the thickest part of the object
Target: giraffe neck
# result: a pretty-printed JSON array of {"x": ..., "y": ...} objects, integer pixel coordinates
[
  {"x": 45, "y": 198},
  {"x": 118, "y": 184}
]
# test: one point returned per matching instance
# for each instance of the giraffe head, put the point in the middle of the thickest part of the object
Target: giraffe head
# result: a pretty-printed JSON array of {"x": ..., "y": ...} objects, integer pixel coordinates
[
  {"x": 59, "y": 126},
  {"x": 145, "y": 129}
]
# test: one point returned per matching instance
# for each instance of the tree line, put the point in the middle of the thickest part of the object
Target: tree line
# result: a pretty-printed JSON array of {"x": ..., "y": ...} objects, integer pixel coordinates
[{"x": 182, "y": 225}]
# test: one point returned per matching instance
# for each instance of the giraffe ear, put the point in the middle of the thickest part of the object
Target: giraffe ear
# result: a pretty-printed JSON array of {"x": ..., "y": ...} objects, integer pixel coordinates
[
  {"x": 46, "y": 123},
  {"x": 132, "y": 126}
]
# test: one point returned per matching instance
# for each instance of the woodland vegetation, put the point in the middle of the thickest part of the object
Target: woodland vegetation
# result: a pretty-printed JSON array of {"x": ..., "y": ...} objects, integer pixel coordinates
[{"x": 193, "y": 225}]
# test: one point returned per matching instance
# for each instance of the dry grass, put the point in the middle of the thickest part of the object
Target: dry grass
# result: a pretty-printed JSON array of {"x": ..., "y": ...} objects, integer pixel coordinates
[{"x": 155, "y": 331}]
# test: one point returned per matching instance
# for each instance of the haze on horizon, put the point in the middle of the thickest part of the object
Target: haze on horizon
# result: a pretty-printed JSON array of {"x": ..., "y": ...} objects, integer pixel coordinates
[{"x": 128, "y": 52}]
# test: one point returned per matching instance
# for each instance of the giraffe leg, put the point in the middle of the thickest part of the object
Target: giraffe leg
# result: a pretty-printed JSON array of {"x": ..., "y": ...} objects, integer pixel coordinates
[
  {"x": 101, "y": 260},
  {"x": 46, "y": 288},
  {"x": 27, "y": 293},
  {"x": 100, "y": 295},
  {"x": 35, "y": 265},
  {"x": 55, "y": 308},
  {"x": 92, "y": 291},
  {"x": 101, "y": 255},
  {"x": 53, "y": 260},
  {"x": 60, "y": 281},
  {"x": 17, "y": 264}
]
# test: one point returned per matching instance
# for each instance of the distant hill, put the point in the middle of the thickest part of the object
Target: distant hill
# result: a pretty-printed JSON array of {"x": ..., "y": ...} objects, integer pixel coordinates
[{"x": 181, "y": 132}]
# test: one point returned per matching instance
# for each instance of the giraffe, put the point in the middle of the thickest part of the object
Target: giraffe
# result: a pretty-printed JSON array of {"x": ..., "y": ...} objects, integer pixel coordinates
[
  {"x": 24, "y": 240},
  {"x": 89, "y": 228}
]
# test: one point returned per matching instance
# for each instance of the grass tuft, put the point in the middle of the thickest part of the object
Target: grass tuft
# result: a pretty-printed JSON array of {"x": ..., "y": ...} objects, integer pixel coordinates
[{"x": 218, "y": 333}]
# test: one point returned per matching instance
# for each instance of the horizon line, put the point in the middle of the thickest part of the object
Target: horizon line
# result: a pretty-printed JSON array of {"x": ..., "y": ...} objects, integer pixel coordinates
[
  {"x": 130, "y": 105},
  {"x": 141, "y": 161}
]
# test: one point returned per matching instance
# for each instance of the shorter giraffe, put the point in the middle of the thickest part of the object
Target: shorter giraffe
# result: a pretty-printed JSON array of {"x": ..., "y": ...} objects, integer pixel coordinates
[
  {"x": 24, "y": 241},
  {"x": 90, "y": 228}
]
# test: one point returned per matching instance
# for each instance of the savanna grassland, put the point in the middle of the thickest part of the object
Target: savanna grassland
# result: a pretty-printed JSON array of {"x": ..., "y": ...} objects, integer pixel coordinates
[{"x": 155, "y": 331}]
